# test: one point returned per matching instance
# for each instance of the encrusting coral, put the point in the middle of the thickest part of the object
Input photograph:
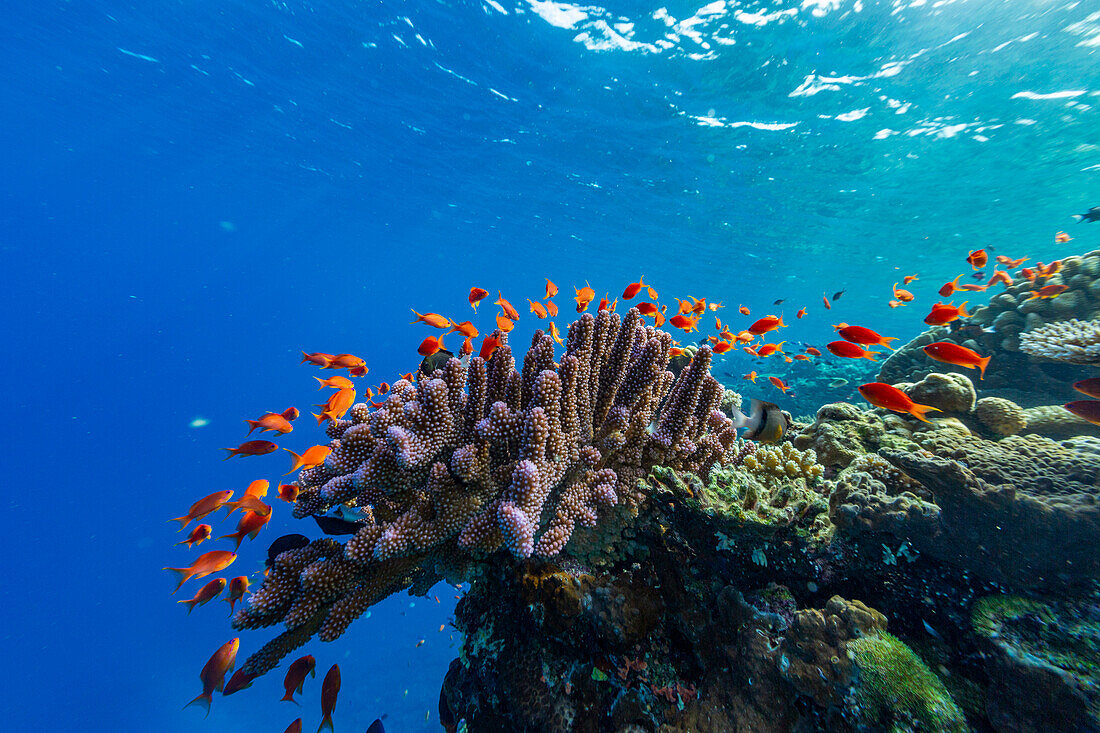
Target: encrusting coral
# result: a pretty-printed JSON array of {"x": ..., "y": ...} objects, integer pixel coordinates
[
  {"x": 1072, "y": 341},
  {"x": 471, "y": 460}
]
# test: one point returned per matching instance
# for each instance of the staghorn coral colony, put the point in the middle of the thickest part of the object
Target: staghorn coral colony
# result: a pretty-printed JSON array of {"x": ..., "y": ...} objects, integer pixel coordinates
[{"x": 635, "y": 566}]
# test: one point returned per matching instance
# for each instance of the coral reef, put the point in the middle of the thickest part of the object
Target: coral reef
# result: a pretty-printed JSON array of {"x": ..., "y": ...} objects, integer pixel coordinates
[
  {"x": 1072, "y": 342},
  {"x": 1001, "y": 416}
]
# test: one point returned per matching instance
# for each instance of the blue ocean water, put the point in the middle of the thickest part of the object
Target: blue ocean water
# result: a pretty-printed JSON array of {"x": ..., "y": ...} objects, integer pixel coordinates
[{"x": 194, "y": 192}]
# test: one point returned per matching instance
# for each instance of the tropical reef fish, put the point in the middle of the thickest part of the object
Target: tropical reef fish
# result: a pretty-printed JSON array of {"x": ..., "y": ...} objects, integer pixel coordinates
[
  {"x": 943, "y": 313},
  {"x": 213, "y": 672},
  {"x": 765, "y": 423},
  {"x": 507, "y": 307},
  {"x": 1010, "y": 263},
  {"x": 766, "y": 324},
  {"x": 952, "y": 353},
  {"x": 430, "y": 345},
  {"x": 237, "y": 588},
  {"x": 537, "y": 308},
  {"x": 551, "y": 290},
  {"x": 488, "y": 346},
  {"x": 779, "y": 384},
  {"x": 476, "y": 296},
  {"x": 848, "y": 350},
  {"x": 318, "y": 358},
  {"x": 1086, "y": 409},
  {"x": 288, "y": 493},
  {"x": 1092, "y": 214},
  {"x": 282, "y": 544},
  {"x": 296, "y": 675},
  {"x": 901, "y": 294},
  {"x": 948, "y": 289},
  {"x": 1062, "y": 237},
  {"x": 239, "y": 681},
  {"x": 889, "y": 397},
  {"x": 432, "y": 319},
  {"x": 272, "y": 421},
  {"x": 865, "y": 337},
  {"x": 336, "y": 525},
  {"x": 336, "y": 382},
  {"x": 634, "y": 288},
  {"x": 249, "y": 526},
  {"x": 204, "y": 506},
  {"x": 251, "y": 448},
  {"x": 314, "y": 456},
  {"x": 330, "y": 688},
  {"x": 205, "y": 594},
  {"x": 585, "y": 296},
  {"x": 977, "y": 258},
  {"x": 1090, "y": 387},
  {"x": 198, "y": 534},
  {"x": 1048, "y": 291}
]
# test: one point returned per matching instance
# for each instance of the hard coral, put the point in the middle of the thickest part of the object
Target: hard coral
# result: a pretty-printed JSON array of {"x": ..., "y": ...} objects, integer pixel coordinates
[
  {"x": 1000, "y": 416},
  {"x": 1072, "y": 341},
  {"x": 472, "y": 460}
]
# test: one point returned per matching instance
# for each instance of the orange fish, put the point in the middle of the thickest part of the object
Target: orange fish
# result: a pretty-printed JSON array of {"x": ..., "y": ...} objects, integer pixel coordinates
[
  {"x": 896, "y": 304},
  {"x": 336, "y": 382},
  {"x": 908, "y": 279},
  {"x": 249, "y": 526},
  {"x": 949, "y": 288},
  {"x": 684, "y": 322},
  {"x": 977, "y": 259},
  {"x": 237, "y": 588},
  {"x": 291, "y": 414},
  {"x": 465, "y": 328},
  {"x": 865, "y": 337},
  {"x": 505, "y": 306},
  {"x": 713, "y": 306},
  {"x": 825, "y": 301},
  {"x": 313, "y": 456},
  {"x": 1089, "y": 387},
  {"x": 251, "y": 448},
  {"x": 318, "y": 358},
  {"x": 205, "y": 594},
  {"x": 749, "y": 350},
  {"x": 973, "y": 287},
  {"x": 271, "y": 421},
  {"x": 1062, "y": 237},
  {"x": 1028, "y": 274},
  {"x": 779, "y": 384},
  {"x": 647, "y": 309},
  {"x": 204, "y": 506},
  {"x": 249, "y": 504},
  {"x": 537, "y": 308},
  {"x": 551, "y": 290},
  {"x": 801, "y": 312},
  {"x": 699, "y": 306},
  {"x": 432, "y": 319},
  {"x": 811, "y": 350},
  {"x": 238, "y": 682},
  {"x": 296, "y": 675},
  {"x": 889, "y": 397},
  {"x": 205, "y": 564},
  {"x": 347, "y": 361},
  {"x": 1048, "y": 270},
  {"x": 554, "y": 334},
  {"x": 1000, "y": 276},
  {"x": 633, "y": 289},
  {"x": 903, "y": 295},
  {"x": 430, "y": 345},
  {"x": 944, "y": 313},
  {"x": 848, "y": 350},
  {"x": 675, "y": 351},
  {"x": 584, "y": 296},
  {"x": 338, "y": 404},
  {"x": 765, "y": 324},
  {"x": 359, "y": 371},
  {"x": 1011, "y": 263},
  {"x": 769, "y": 349},
  {"x": 743, "y": 311},
  {"x": 295, "y": 727},
  {"x": 200, "y": 533},
  {"x": 383, "y": 388},
  {"x": 488, "y": 346},
  {"x": 330, "y": 688},
  {"x": 744, "y": 337},
  {"x": 408, "y": 377},
  {"x": 659, "y": 319},
  {"x": 552, "y": 308},
  {"x": 467, "y": 347},
  {"x": 802, "y": 357},
  {"x": 651, "y": 293},
  {"x": 722, "y": 347},
  {"x": 213, "y": 673},
  {"x": 1048, "y": 291},
  {"x": 951, "y": 353},
  {"x": 476, "y": 296},
  {"x": 288, "y": 493},
  {"x": 504, "y": 323}
]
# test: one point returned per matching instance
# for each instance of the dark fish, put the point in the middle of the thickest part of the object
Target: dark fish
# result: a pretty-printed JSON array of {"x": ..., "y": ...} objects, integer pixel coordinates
[
  {"x": 980, "y": 274},
  {"x": 1090, "y": 387},
  {"x": 435, "y": 361},
  {"x": 1092, "y": 214},
  {"x": 779, "y": 302},
  {"x": 766, "y": 423},
  {"x": 837, "y": 294},
  {"x": 376, "y": 727},
  {"x": 336, "y": 525},
  {"x": 1086, "y": 409},
  {"x": 282, "y": 544}
]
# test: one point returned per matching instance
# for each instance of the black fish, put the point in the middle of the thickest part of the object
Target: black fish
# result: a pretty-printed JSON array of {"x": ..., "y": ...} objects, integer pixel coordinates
[
  {"x": 435, "y": 361},
  {"x": 336, "y": 525},
  {"x": 376, "y": 727},
  {"x": 779, "y": 302},
  {"x": 1092, "y": 214},
  {"x": 837, "y": 294},
  {"x": 979, "y": 275},
  {"x": 282, "y": 544},
  {"x": 766, "y": 423}
]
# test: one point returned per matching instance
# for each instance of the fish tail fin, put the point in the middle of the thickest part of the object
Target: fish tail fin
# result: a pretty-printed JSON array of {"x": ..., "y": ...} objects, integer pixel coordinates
[
  {"x": 1078, "y": 217},
  {"x": 886, "y": 342},
  {"x": 326, "y": 723},
  {"x": 305, "y": 358},
  {"x": 289, "y": 697},
  {"x": 184, "y": 521},
  {"x": 418, "y": 316},
  {"x": 190, "y": 605},
  {"x": 872, "y": 355},
  {"x": 962, "y": 309},
  {"x": 919, "y": 411},
  {"x": 232, "y": 452},
  {"x": 297, "y": 461},
  {"x": 204, "y": 700},
  {"x": 982, "y": 364},
  {"x": 184, "y": 573},
  {"x": 254, "y": 424}
]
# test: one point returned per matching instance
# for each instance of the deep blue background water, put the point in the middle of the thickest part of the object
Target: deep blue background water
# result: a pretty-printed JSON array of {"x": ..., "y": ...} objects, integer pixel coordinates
[{"x": 191, "y": 192}]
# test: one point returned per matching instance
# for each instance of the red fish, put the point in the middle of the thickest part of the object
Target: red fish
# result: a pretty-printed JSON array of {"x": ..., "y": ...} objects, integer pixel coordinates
[
  {"x": 336, "y": 382},
  {"x": 237, "y": 588},
  {"x": 825, "y": 301},
  {"x": 505, "y": 306},
  {"x": 205, "y": 564},
  {"x": 977, "y": 258},
  {"x": 722, "y": 347},
  {"x": 865, "y": 337},
  {"x": 802, "y": 357},
  {"x": 272, "y": 421},
  {"x": 213, "y": 673},
  {"x": 430, "y": 345},
  {"x": 584, "y": 296},
  {"x": 848, "y": 350},
  {"x": 296, "y": 675},
  {"x": 205, "y": 594},
  {"x": 251, "y": 448},
  {"x": 1090, "y": 387},
  {"x": 552, "y": 308},
  {"x": 467, "y": 347},
  {"x": 318, "y": 358},
  {"x": 769, "y": 349},
  {"x": 903, "y": 295},
  {"x": 952, "y": 353},
  {"x": 204, "y": 506},
  {"x": 537, "y": 308},
  {"x": 1048, "y": 291},
  {"x": 1000, "y": 276},
  {"x": 488, "y": 346},
  {"x": 647, "y": 309},
  {"x": 1086, "y": 409},
  {"x": 633, "y": 289},
  {"x": 889, "y": 397},
  {"x": 198, "y": 534},
  {"x": 1011, "y": 263},
  {"x": 249, "y": 526},
  {"x": 779, "y": 384},
  {"x": 684, "y": 322},
  {"x": 551, "y": 290},
  {"x": 948, "y": 289},
  {"x": 432, "y": 319},
  {"x": 347, "y": 361},
  {"x": 944, "y": 313},
  {"x": 811, "y": 350},
  {"x": 765, "y": 324},
  {"x": 801, "y": 312},
  {"x": 288, "y": 493},
  {"x": 313, "y": 456},
  {"x": 504, "y": 323},
  {"x": 476, "y": 296},
  {"x": 466, "y": 328},
  {"x": 743, "y": 310},
  {"x": 330, "y": 688},
  {"x": 337, "y": 405},
  {"x": 908, "y": 279}
]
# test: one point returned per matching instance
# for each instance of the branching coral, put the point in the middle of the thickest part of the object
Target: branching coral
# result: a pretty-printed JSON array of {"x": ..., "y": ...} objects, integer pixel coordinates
[{"x": 475, "y": 459}]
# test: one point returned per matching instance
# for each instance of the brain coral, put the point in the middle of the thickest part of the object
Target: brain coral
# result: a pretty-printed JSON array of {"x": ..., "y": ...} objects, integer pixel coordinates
[{"x": 1001, "y": 416}]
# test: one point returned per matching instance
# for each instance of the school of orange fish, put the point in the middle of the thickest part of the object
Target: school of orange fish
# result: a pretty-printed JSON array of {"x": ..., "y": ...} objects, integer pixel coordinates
[{"x": 688, "y": 317}]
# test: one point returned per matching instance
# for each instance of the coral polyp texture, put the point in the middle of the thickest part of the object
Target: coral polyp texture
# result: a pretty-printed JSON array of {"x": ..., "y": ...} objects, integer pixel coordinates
[
  {"x": 1072, "y": 341},
  {"x": 478, "y": 458}
]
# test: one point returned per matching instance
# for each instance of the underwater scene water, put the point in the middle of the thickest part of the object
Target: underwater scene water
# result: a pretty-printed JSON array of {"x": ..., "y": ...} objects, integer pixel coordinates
[{"x": 752, "y": 381}]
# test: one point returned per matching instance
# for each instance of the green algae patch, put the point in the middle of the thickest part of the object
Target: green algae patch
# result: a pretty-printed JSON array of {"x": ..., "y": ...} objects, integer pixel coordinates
[{"x": 895, "y": 688}]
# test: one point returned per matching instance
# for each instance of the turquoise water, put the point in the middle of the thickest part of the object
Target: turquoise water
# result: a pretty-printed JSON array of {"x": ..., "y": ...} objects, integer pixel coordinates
[{"x": 194, "y": 192}]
